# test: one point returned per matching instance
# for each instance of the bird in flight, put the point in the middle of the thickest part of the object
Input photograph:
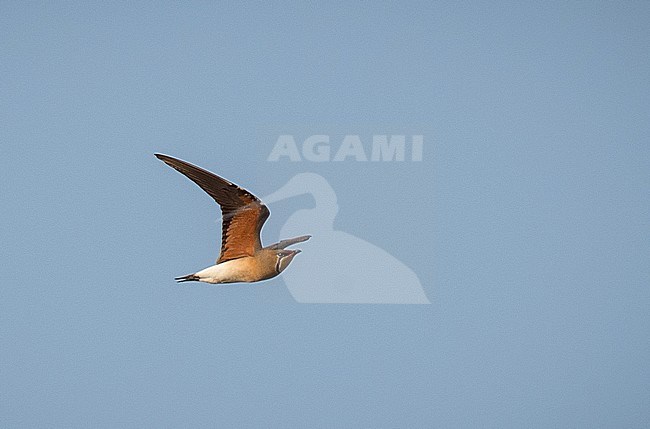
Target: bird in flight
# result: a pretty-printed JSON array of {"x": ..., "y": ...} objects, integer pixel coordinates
[{"x": 242, "y": 257}]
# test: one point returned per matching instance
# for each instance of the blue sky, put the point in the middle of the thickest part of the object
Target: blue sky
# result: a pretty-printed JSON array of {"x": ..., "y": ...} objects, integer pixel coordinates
[{"x": 527, "y": 221}]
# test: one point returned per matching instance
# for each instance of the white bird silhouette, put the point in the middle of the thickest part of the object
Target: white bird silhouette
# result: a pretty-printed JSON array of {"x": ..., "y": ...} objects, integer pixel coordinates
[{"x": 339, "y": 267}]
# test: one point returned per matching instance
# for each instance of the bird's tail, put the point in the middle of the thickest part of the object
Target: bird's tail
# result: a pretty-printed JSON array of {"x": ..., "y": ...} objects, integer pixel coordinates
[{"x": 187, "y": 278}]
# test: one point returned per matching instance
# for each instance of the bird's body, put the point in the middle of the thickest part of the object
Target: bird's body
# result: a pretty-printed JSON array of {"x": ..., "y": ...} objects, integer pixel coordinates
[
  {"x": 242, "y": 257},
  {"x": 247, "y": 269}
]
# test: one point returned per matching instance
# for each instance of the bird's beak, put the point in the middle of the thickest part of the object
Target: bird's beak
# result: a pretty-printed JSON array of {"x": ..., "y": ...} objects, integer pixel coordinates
[{"x": 293, "y": 254}]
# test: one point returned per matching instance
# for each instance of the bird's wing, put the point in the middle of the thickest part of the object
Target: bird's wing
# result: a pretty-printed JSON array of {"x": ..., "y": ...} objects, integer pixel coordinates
[
  {"x": 242, "y": 212},
  {"x": 288, "y": 242}
]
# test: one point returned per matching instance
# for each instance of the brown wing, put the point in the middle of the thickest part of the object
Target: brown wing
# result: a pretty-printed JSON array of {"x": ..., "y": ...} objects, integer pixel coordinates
[{"x": 242, "y": 212}]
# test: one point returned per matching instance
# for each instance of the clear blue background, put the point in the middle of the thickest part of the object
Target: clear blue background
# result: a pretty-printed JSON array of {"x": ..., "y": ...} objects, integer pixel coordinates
[{"x": 527, "y": 221}]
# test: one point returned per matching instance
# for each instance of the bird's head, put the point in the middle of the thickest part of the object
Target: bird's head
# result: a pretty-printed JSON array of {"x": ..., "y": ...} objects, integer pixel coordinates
[{"x": 284, "y": 258}]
